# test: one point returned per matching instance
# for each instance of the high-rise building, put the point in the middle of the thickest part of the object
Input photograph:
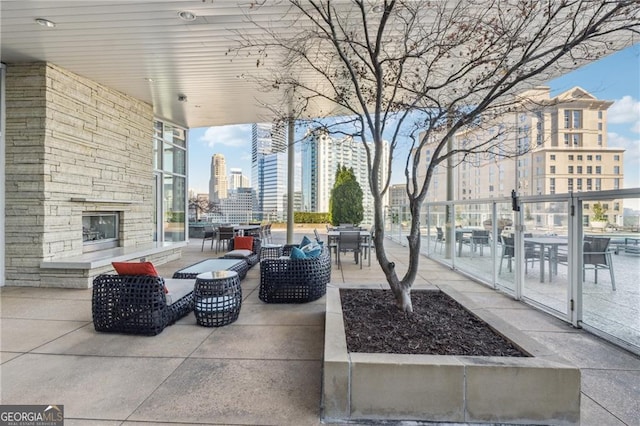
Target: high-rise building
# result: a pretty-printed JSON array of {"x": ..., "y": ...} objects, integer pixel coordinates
[
  {"x": 218, "y": 186},
  {"x": 563, "y": 146},
  {"x": 237, "y": 208},
  {"x": 237, "y": 179},
  {"x": 321, "y": 155},
  {"x": 269, "y": 170}
]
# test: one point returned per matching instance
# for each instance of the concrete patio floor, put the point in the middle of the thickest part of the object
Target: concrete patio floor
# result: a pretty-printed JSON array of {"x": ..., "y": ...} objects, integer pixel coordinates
[{"x": 264, "y": 369}]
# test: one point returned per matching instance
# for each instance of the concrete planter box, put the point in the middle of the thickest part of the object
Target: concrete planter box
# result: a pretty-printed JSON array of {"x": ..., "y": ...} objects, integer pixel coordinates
[{"x": 541, "y": 389}]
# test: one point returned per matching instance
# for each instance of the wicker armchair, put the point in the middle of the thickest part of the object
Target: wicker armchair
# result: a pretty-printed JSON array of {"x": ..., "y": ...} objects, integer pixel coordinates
[
  {"x": 136, "y": 304},
  {"x": 294, "y": 280},
  {"x": 251, "y": 259}
]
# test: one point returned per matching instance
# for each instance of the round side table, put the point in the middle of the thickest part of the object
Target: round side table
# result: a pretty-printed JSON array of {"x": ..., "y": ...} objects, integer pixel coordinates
[
  {"x": 270, "y": 251},
  {"x": 218, "y": 298}
]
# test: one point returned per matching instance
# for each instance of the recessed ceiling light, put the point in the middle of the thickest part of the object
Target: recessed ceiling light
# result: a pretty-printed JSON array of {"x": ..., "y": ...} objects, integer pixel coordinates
[
  {"x": 150, "y": 80},
  {"x": 45, "y": 22},
  {"x": 185, "y": 15}
]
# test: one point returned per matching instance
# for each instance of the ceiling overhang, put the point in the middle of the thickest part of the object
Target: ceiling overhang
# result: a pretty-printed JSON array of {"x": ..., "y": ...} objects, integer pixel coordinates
[{"x": 144, "y": 49}]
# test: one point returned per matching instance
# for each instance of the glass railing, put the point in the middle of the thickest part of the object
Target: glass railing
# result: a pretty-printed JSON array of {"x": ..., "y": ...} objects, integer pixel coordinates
[{"x": 550, "y": 253}]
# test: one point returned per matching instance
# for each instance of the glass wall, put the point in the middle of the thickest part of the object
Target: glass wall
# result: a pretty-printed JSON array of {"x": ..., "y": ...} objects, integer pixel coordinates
[
  {"x": 545, "y": 254},
  {"x": 550, "y": 252},
  {"x": 170, "y": 168},
  {"x": 611, "y": 266}
]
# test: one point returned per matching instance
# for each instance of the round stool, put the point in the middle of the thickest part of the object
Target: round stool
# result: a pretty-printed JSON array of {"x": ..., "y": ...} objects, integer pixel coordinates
[{"x": 218, "y": 298}]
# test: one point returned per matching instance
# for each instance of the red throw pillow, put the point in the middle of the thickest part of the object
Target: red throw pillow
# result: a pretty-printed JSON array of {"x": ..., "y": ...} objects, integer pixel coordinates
[
  {"x": 136, "y": 268},
  {"x": 243, "y": 243}
]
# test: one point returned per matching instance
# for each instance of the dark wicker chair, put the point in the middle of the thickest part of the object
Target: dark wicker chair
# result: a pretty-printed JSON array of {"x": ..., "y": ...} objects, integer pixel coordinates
[
  {"x": 253, "y": 258},
  {"x": 294, "y": 280},
  {"x": 134, "y": 304}
]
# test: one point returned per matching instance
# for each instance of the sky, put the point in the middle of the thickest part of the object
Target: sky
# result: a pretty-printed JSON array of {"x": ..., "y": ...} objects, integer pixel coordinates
[{"x": 615, "y": 78}]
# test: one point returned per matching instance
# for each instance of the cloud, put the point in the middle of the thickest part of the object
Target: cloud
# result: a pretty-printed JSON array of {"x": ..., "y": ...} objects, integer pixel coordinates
[
  {"x": 631, "y": 157},
  {"x": 237, "y": 136},
  {"x": 632, "y": 145},
  {"x": 625, "y": 110}
]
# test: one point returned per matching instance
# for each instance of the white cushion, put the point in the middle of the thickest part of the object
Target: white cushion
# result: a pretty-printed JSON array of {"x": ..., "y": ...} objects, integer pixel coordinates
[
  {"x": 221, "y": 303},
  {"x": 178, "y": 289},
  {"x": 239, "y": 254},
  {"x": 310, "y": 247}
]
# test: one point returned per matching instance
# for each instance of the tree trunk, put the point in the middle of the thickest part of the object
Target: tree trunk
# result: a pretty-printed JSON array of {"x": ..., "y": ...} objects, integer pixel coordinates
[
  {"x": 403, "y": 300},
  {"x": 401, "y": 288}
]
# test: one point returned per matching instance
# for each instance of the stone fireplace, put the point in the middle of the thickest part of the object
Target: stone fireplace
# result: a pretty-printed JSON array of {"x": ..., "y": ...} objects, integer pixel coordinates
[
  {"x": 100, "y": 230},
  {"x": 75, "y": 146}
]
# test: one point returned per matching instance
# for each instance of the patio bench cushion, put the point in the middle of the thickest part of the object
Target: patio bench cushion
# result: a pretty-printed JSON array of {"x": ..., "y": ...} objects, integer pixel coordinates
[
  {"x": 238, "y": 254},
  {"x": 250, "y": 256},
  {"x": 177, "y": 289}
]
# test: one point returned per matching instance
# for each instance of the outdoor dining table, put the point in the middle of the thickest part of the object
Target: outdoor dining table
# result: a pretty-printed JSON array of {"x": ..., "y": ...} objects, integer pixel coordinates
[
  {"x": 333, "y": 237},
  {"x": 551, "y": 244},
  {"x": 244, "y": 229}
]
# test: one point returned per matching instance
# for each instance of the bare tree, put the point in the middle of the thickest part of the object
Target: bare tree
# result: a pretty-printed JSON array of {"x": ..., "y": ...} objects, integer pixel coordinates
[
  {"x": 203, "y": 205},
  {"x": 424, "y": 70}
]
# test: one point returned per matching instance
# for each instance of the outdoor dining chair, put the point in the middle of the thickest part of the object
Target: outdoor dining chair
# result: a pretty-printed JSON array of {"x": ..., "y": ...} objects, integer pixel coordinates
[
  {"x": 479, "y": 238},
  {"x": 349, "y": 241},
  {"x": 439, "y": 239},
  {"x": 596, "y": 256},
  {"x": 508, "y": 252},
  {"x": 209, "y": 234},
  {"x": 366, "y": 245},
  {"x": 267, "y": 233},
  {"x": 225, "y": 234}
]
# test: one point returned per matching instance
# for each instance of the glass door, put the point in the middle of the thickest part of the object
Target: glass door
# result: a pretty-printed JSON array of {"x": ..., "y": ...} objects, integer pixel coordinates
[{"x": 544, "y": 259}]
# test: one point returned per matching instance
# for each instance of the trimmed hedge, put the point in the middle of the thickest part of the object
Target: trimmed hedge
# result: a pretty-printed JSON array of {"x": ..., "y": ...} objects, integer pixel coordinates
[{"x": 310, "y": 217}]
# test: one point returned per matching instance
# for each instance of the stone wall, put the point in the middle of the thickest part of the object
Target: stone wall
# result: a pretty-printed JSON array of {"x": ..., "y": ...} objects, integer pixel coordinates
[{"x": 69, "y": 138}]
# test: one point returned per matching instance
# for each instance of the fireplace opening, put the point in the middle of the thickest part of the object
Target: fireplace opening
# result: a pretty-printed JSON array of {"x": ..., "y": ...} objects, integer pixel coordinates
[{"x": 99, "y": 230}]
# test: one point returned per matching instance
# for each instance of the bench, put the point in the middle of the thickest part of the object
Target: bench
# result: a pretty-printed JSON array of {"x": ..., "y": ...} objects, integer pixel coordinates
[
  {"x": 139, "y": 304},
  {"x": 79, "y": 271}
]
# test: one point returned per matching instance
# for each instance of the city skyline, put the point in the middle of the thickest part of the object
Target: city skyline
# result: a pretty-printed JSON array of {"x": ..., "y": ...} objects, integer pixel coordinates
[{"x": 615, "y": 78}]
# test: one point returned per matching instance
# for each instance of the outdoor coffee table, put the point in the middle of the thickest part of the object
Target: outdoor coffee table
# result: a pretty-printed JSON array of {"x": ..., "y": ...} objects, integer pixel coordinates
[
  {"x": 217, "y": 298},
  {"x": 237, "y": 265}
]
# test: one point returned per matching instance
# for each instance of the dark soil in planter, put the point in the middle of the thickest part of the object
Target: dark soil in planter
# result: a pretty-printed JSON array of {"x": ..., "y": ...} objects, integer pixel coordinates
[{"x": 438, "y": 325}]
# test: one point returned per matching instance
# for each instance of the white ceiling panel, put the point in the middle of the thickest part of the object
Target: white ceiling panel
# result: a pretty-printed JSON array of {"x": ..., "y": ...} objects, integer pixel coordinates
[{"x": 122, "y": 44}]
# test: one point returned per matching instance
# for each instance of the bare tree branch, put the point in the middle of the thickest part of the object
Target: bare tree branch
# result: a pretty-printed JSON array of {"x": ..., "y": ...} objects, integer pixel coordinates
[{"x": 423, "y": 71}]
